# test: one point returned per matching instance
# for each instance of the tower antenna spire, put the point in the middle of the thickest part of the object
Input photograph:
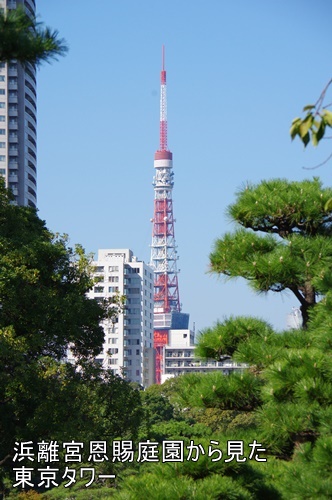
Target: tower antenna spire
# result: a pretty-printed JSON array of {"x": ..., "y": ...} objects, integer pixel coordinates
[
  {"x": 163, "y": 105},
  {"x": 163, "y": 58}
]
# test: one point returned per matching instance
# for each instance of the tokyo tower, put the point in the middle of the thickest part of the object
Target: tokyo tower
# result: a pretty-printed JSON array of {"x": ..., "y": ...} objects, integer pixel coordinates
[{"x": 164, "y": 258}]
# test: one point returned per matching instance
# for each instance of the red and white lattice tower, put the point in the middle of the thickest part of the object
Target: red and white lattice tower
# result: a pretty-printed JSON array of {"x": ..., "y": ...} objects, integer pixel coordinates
[{"x": 163, "y": 248}]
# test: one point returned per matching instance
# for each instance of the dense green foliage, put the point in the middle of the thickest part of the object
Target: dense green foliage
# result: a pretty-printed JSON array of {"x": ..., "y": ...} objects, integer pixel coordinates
[
  {"x": 43, "y": 288},
  {"x": 24, "y": 39},
  {"x": 44, "y": 308}
]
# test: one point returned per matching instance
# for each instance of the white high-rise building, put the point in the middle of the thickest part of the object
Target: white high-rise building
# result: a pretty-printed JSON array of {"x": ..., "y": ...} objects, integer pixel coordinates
[
  {"x": 18, "y": 122},
  {"x": 128, "y": 347}
]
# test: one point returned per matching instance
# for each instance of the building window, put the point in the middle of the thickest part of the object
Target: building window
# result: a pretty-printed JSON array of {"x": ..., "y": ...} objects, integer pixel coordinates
[
  {"x": 134, "y": 300},
  {"x": 2, "y": 158},
  {"x": 98, "y": 289},
  {"x": 113, "y": 289},
  {"x": 2, "y": 131},
  {"x": 99, "y": 269},
  {"x": 114, "y": 341},
  {"x": 113, "y": 279},
  {"x": 2, "y": 171},
  {"x": 2, "y": 118},
  {"x": 2, "y": 105},
  {"x": 2, "y": 145},
  {"x": 2, "y": 92},
  {"x": 113, "y": 269},
  {"x": 134, "y": 311},
  {"x": 134, "y": 331},
  {"x": 113, "y": 361},
  {"x": 133, "y": 321}
]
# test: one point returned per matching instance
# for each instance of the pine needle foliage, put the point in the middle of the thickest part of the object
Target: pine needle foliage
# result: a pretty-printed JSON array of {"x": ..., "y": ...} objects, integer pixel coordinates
[
  {"x": 282, "y": 207},
  {"x": 240, "y": 391},
  {"x": 224, "y": 337},
  {"x": 284, "y": 241},
  {"x": 26, "y": 40}
]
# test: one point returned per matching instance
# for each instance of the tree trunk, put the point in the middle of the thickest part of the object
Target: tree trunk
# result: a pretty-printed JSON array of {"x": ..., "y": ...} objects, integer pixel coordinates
[{"x": 310, "y": 301}]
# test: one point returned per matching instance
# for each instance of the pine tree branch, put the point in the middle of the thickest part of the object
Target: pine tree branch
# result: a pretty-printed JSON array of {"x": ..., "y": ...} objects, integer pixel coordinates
[
  {"x": 4, "y": 460},
  {"x": 298, "y": 295}
]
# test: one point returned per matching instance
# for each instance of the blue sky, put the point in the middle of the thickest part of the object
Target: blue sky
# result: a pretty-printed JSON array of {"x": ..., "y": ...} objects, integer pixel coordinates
[{"x": 237, "y": 74}]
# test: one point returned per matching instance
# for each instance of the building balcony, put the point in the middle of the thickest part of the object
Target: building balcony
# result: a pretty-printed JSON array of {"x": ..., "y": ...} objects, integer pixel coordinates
[
  {"x": 32, "y": 158},
  {"x": 31, "y": 184},
  {"x": 12, "y": 71},
  {"x": 12, "y": 125}
]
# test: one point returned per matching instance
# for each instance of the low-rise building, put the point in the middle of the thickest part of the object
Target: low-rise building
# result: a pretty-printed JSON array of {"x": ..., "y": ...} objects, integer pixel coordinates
[{"x": 179, "y": 358}]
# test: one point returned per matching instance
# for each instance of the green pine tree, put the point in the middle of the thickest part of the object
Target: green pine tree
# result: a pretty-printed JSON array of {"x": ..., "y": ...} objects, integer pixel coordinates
[{"x": 284, "y": 242}]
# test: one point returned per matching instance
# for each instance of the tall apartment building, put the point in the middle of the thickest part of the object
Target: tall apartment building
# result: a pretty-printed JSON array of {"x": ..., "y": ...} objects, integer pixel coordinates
[
  {"x": 18, "y": 122},
  {"x": 128, "y": 347}
]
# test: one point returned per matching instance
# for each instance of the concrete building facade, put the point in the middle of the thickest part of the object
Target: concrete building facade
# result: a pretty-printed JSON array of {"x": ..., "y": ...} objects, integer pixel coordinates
[
  {"x": 128, "y": 347},
  {"x": 18, "y": 122}
]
